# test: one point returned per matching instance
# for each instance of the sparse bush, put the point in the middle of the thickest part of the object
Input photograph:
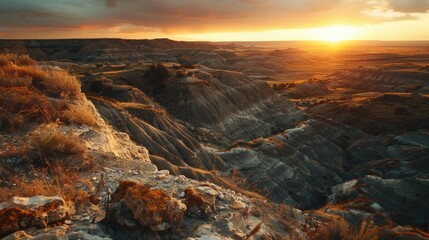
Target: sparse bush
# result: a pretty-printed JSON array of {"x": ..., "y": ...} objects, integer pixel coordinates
[
  {"x": 78, "y": 115},
  {"x": 48, "y": 140}
]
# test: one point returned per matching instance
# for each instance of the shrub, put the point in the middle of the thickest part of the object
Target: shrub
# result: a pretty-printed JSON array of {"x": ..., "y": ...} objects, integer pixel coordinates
[
  {"x": 48, "y": 140},
  {"x": 78, "y": 115}
]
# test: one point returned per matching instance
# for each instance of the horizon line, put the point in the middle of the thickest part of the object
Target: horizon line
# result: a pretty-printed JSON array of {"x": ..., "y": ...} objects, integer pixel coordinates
[{"x": 209, "y": 41}]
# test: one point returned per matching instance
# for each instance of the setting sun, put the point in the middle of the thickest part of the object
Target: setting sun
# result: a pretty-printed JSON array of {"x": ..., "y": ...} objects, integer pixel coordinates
[{"x": 335, "y": 34}]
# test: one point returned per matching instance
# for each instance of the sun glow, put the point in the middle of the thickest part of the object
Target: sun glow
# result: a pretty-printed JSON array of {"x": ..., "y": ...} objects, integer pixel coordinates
[
  {"x": 332, "y": 34},
  {"x": 335, "y": 34}
]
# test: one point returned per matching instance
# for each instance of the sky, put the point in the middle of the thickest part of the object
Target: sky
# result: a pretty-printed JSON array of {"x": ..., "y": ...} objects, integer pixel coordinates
[{"x": 216, "y": 20}]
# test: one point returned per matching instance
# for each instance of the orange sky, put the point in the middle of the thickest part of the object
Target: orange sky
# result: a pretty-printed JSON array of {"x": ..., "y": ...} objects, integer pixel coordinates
[{"x": 220, "y": 20}]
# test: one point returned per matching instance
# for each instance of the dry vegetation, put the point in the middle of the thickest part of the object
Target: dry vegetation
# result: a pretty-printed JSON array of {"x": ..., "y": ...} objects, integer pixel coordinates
[
  {"x": 60, "y": 82},
  {"x": 23, "y": 60},
  {"x": 21, "y": 107},
  {"x": 22, "y": 71},
  {"x": 56, "y": 181},
  {"x": 78, "y": 115},
  {"x": 339, "y": 229},
  {"x": 23, "y": 85},
  {"x": 48, "y": 140}
]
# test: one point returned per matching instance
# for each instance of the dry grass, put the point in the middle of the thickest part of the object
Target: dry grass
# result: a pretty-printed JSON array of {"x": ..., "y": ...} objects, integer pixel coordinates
[
  {"x": 20, "y": 71},
  {"x": 23, "y": 60},
  {"x": 59, "y": 82},
  {"x": 58, "y": 181},
  {"x": 14, "y": 81},
  {"x": 339, "y": 229},
  {"x": 78, "y": 115},
  {"x": 12, "y": 71},
  {"x": 48, "y": 140},
  {"x": 20, "y": 107}
]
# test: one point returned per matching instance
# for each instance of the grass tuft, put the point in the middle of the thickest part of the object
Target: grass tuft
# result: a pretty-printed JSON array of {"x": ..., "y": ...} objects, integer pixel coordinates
[
  {"x": 48, "y": 140},
  {"x": 22, "y": 71},
  {"x": 20, "y": 107},
  {"x": 78, "y": 115},
  {"x": 59, "y": 82},
  {"x": 10, "y": 58},
  {"x": 339, "y": 229}
]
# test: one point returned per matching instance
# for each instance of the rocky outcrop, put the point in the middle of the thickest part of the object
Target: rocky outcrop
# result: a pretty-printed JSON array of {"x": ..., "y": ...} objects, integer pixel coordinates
[
  {"x": 148, "y": 208},
  {"x": 38, "y": 211},
  {"x": 235, "y": 215}
]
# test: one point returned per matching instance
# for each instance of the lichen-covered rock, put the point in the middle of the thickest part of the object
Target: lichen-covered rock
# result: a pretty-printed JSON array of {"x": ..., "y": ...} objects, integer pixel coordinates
[
  {"x": 135, "y": 205},
  {"x": 38, "y": 211},
  {"x": 202, "y": 200}
]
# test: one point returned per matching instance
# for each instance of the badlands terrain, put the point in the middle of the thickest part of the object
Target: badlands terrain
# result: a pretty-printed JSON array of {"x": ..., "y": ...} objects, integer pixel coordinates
[{"x": 159, "y": 139}]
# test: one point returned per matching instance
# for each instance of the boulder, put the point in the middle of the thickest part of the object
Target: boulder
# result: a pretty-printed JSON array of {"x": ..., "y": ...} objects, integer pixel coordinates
[
  {"x": 38, "y": 211},
  {"x": 135, "y": 205}
]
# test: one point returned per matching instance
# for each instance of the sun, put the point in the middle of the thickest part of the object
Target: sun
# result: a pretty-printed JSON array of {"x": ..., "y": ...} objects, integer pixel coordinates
[{"x": 335, "y": 34}]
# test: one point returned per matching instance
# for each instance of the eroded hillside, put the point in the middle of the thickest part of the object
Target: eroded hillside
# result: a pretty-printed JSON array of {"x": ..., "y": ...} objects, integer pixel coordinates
[{"x": 344, "y": 145}]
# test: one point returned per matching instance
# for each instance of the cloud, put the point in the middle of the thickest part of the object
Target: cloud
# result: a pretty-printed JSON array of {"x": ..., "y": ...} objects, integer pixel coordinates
[
  {"x": 409, "y": 6},
  {"x": 186, "y": 16}
]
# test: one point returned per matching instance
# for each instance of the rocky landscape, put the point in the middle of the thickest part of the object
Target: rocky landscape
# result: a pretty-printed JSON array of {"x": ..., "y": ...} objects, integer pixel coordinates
[{"x": 158, "y": 139}]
